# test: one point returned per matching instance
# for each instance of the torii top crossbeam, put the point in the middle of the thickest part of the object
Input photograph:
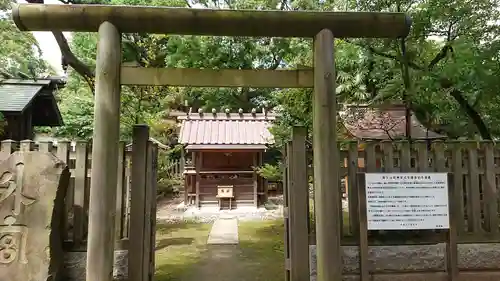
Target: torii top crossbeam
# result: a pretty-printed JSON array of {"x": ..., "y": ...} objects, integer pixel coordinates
[{"x": 168, "y": 20}]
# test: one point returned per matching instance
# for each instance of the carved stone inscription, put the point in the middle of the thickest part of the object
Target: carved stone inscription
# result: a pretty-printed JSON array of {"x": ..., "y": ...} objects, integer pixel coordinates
[
  {"x": 13, "y": 234},
  {"x": 32, "y": 190}
]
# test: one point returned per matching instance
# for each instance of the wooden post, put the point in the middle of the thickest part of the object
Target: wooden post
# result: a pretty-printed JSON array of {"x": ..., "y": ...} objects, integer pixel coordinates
[
  {"x": 183, "y": 160},
  {"x": 120, "y": 193},
  {"x": 262, "y": 180},
  {"x": 80, "y": 193},
  {"x": 352, "y": 187},
  {"x": 128, "y": 199},
  {"x": 63, "y": 148},
  {"x": 198, "y": 163},
  {"x": 452, "y": 243},
  {"x": 26, "y": 145},
  {"x": 255, "y": 181},
  {"x": 364, "y": 266},
  {"x": 298, "y": 207},
  {"x": 140, "y": 138},
  {"x": 326, "y": 161},
  {"x": 150, "y": 212},
  {"x": 7, "y": 147},
  {"x": 286, "y": 159},
  {"x": 100, "y": 247}
]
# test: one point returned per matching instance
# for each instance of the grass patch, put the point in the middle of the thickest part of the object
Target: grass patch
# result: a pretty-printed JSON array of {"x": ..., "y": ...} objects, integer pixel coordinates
[
  {"x": 183, "y": 255},
  {"x": 345, "y": 220},
  {"x": 179, "y": 247},
  {"x": 262, "y": 249}
]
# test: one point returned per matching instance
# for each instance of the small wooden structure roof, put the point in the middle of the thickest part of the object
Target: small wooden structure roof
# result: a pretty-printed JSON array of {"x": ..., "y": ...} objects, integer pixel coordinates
[
  {"x": 382, "y": 123},
  {"x": 225, "y": 130},
  {"x": 16, "y": 95}
]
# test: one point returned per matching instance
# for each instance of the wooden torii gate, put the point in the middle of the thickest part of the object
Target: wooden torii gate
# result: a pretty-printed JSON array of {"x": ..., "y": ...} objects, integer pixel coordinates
[{"x": 111, "y": 21}]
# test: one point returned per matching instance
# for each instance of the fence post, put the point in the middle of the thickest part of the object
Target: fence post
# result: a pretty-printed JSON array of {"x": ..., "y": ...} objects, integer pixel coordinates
[
  {"x": 286, "y": 170},
  {"x": 63, "y": 150},
  {"x": 120, "y": 193},
  {"x": 352, "y": 187},
  {"x": 298, "y": 213},
  {"x": 136, "y": 254},
  {"x": 490, "y": 189},
  {"x": 80, "y": 192},
  {"x": 27, "y": 145},
  {"x": 45, "y": 146},
  {"x": 150, "y": 223}
]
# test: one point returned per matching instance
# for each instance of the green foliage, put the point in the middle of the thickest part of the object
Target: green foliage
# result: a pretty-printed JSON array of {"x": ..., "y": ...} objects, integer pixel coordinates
[
  {"x": 270, "y": 172},
  {"x": 168, "y": 187},
  {"x": 456, "y": 43},
  {"x": 451, "y": 48},
  {"x": 168, "y": 184},
  {"x": 78, "y": 114},
  {"x": 19, "y": 51}
]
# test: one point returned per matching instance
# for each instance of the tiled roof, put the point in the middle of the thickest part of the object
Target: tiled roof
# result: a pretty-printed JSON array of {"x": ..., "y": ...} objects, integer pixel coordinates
[
  {"x": 385, "y": 122},
  {"x": 221, "y": 128},
  {"x": 15, "y": 94}
]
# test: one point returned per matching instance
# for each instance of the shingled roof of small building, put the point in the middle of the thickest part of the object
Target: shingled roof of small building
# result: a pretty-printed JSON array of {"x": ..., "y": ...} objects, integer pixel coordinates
[
  {"x": 383, "y": 122},
  {"x": 17, "y": 94},
  {"x": 226, "y": 130}
]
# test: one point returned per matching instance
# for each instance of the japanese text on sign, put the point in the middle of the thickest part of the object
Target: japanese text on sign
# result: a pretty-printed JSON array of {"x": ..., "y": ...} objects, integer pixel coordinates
[{"x": 407, "y": 201}]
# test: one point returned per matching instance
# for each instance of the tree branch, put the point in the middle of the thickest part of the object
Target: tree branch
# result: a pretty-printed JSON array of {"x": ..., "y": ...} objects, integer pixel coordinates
[
  {"x": 443, "y": 53},
  {"x": 70, "y": 59},
  {"x": 472, "y": 113}
]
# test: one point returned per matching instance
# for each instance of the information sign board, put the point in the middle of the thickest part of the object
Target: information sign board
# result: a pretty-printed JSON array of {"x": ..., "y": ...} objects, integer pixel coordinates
[{"x": 407, "y": 201}]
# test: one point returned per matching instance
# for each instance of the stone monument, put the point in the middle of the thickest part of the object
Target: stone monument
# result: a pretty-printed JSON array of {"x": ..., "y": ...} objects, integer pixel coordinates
[{"x": 32, "y": 190}]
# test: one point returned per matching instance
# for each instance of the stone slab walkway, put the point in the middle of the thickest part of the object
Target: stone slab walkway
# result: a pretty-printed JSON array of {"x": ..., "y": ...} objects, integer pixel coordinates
[{"x": 224, "y": 231}]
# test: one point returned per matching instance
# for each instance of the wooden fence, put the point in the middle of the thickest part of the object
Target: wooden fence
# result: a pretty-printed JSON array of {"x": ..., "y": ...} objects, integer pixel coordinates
[
  {"x": 174, "y": 168},
  {"x": 475, "y": 170},
  {"x": 78, "y": 158}
]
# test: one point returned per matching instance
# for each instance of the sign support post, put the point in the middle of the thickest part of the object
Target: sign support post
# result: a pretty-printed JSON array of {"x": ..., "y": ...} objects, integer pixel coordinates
[{"x": 407, "y": 201}]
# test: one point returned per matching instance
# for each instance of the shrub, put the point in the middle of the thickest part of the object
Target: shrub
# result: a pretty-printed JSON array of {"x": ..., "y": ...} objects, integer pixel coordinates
[
  {"x": 270, "y": 172},
  {"x": 169, "y": 186}
]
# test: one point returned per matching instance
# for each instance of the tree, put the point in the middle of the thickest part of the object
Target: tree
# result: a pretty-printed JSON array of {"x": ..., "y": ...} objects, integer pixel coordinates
[
  {"x": 452, "y": 56},
  {"x": 446, "y": 72},
  {"x": 19, "y": 51},
  {"x": 147, "y": 104}
]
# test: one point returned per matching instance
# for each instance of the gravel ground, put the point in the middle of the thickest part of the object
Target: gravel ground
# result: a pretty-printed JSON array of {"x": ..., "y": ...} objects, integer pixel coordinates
[{"x": 174, "y": 211}]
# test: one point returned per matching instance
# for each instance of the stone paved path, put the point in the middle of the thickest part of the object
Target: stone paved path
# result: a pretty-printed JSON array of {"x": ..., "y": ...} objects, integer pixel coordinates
[{"x": 224, "y": 231}]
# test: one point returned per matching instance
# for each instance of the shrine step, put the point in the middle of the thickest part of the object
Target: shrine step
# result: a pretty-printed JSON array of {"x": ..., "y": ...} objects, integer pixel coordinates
[{"x": 224, "y": 231}]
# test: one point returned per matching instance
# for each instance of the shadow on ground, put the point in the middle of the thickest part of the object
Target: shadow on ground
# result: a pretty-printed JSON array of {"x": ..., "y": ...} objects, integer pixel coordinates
[
  {"x": 163, "y": 243},
  {"x": 258, "y": 257}
]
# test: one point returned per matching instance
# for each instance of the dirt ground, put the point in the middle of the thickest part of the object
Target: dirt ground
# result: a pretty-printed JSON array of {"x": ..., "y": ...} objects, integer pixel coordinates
[{"x": 169, "y": 204}]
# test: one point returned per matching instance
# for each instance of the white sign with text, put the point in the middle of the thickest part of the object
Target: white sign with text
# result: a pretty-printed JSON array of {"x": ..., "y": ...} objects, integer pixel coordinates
[{"x": 407, "y": 201}]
